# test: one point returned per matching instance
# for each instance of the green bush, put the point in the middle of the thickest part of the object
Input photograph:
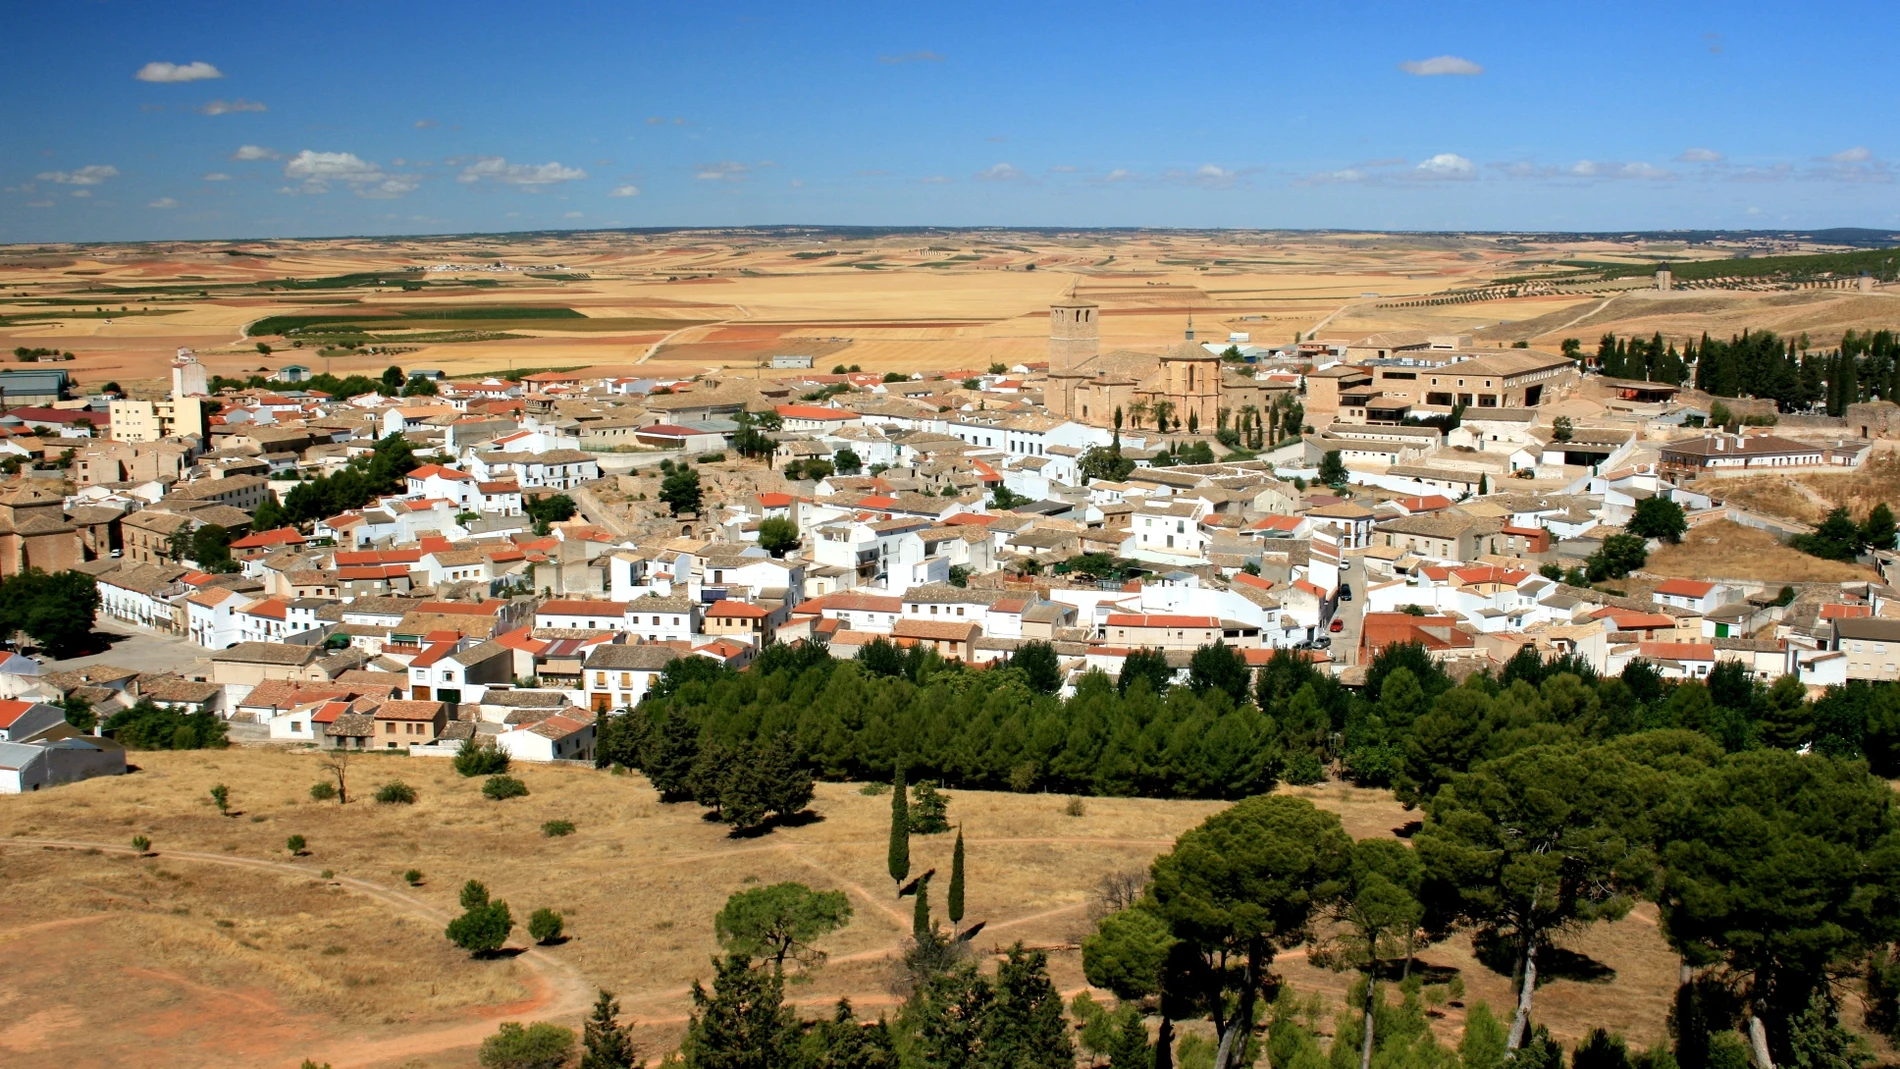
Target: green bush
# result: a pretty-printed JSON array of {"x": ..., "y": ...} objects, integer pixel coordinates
[
  {"x": 396, "y": 792},
  {"x": 148, "y": 727},
  {"x": 296, "y": 843},
  {"x": 554, "y": 829},
  {"x": 537, "y": 1046},
  {"x": 323, "y": 791},
  {"x": 1303, "y": 769},
  {"x": 480, "y": 759},
  {"x": 413, "y": 877},
  {"x": 500, "y": 787},
  {"x": 545, "y": 926}
]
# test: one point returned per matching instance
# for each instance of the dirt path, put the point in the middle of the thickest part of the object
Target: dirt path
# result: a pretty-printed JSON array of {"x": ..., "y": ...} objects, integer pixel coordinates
[
  {"x": 557, "y": 989},
  {"x": 744, "y": 313},
  {"x": 1601, "y": 305}
]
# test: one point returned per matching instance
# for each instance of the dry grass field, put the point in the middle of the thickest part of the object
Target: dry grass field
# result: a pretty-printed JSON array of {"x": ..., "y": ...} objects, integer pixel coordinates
[
  {"x": 223, "y": 950},
  {"x": 679, "y": 303},
  {"x": 1725, "y": 550}
]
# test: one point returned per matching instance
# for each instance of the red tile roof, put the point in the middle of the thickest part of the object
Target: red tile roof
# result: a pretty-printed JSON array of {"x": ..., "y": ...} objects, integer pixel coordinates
[
  {"x": 282, "y": 536},
  {"x": 1685, "y": 588},
  {"x": 815, "y": 412},
  {"x": 11, "y": 711},
  {"x": 736, "y": 609},
  {"x": 1676, "y": 651},
  {"x": 1160, "y": 620}
]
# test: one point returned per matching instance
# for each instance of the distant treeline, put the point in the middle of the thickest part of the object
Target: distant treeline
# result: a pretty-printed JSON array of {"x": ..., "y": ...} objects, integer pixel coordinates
[
  {"x": 1881, "y": 263},
  {"x": 1865, "y": 367},
  {"x": 1224, "y": 734}
]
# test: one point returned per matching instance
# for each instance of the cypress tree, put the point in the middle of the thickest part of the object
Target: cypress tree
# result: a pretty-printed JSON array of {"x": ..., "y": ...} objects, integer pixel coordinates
[
  {"x": 899, "y": 856},
  {"x": 954, "y": 900},
  {"x": 920, "y": 911}
]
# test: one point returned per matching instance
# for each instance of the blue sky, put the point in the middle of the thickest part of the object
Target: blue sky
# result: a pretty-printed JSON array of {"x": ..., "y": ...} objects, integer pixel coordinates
[{"x": 123, "y": 121}]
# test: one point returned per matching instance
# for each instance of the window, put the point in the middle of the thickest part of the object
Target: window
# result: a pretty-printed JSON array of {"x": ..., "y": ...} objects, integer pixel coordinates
[
  {"x": 295, "y": 726},
  {"x": 389, "y": 727}
]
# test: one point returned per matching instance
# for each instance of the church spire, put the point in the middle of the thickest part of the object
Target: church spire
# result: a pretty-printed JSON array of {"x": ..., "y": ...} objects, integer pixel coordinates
[{"x": 1190, "y": 329}]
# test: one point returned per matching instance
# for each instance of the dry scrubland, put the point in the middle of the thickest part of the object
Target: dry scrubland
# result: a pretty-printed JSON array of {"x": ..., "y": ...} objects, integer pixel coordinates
[
  {"x": 224, "y": 950},
  {"x": 676, "y": 304}
]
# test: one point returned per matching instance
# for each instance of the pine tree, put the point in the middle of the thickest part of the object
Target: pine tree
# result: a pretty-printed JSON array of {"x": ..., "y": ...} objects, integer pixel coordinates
[
  {"x": 605, "y": 1042},
  {"x": 953, "y": 902},
  {"x": 743, "y": 1024},
  {"x": 899, "y": 857},
  {"x": 1025, "y": 1027}
]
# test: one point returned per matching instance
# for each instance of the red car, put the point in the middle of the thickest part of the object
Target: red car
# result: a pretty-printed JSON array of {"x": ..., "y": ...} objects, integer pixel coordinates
[{"x": 1338, "y": 626}]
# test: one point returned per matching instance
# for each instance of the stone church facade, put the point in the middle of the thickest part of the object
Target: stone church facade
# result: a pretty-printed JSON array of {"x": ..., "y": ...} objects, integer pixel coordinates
[{"x": 1089, "y": 386}]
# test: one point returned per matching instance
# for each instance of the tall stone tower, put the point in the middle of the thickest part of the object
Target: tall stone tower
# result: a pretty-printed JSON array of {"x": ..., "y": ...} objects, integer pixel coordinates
[
  {"x": 188, "y": 376},
  {"x": 1074, "y": 332}
]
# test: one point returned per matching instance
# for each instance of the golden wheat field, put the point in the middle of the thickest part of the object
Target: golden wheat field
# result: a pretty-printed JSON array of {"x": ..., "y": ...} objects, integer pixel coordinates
[{"x": 675, "y": 304}]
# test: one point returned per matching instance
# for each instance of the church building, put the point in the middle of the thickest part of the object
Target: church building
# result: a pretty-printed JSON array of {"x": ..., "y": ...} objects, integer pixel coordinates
[{"x": 1181, "y": 386}]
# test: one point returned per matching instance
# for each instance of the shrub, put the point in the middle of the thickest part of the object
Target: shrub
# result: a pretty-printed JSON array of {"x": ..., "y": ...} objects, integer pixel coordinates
[
  {"x": 500, "y": 787},
  {"x": 545, "y": 926},
  {"x": 1075, "y": 808},
  {"x": 413, "y": 877},
  {"x": 322, "y": 792},
  {"x": 480, "y": 759},
  {"x": 396, "y": 792},
  {"x": 1303, "y": 769},
  {"x": 296, "y": 844},
  {"x": 141, "y": 844},
  {"x": 147, "y": 727},
  {"x": 537, "y": 1046},
  {"x": 554, "y": 829}
]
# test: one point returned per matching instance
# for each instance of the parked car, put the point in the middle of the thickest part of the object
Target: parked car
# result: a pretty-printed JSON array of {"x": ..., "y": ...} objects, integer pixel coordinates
[
  {"x": 1324, "y": 642},
  {"x": 1345, "y": 592},
  {"x": 1338, "y": 626}
]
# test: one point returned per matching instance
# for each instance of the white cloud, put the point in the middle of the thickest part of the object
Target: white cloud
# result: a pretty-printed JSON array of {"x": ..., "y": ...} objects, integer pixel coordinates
[
  {"x": 498, "y": 169},
  {"x": 163, "y": 202},
  {"x": 1445, "y": 165},
  {"x": 1437, "y": 65},
  {"x": 1644, "y": 171},
  {"x": 922, "y": 55},
  {"x": 39, "y": 204},
  {"x": 1119, "y": 174},
  {"x": 1857, "y": 154},
  {"x": 1349, "y": 175},
  {"x": 178, "y": 72},
  {"x": 1699, "y": 155},
  {"x": 424, "y": 124},
  {"x": 325, "y": 166},
  {"x": 1001, "y": 172},
  {"x": 92, "y": 175},
  {"x": 936, "y": 180},
  {"x": 1063, "y": 168},
  {"x": 724, "y": 171},
  {"x": 217, "y": 176},
  {"x": 389, "y": 188},
  {"x": 81, "y": 193},
  {"x": 571, "y": 215},
  {"x": 1585, "y": 169},
  {"x": 226, "y": 107},
  {"x": 624, "y": 191},
  {"x": 256, "y": 152}
]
